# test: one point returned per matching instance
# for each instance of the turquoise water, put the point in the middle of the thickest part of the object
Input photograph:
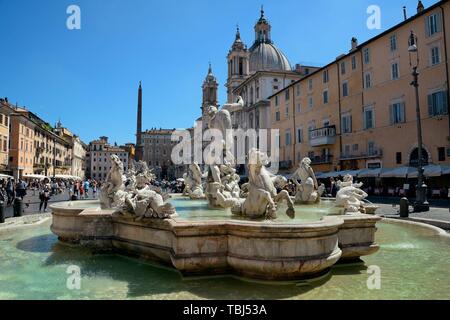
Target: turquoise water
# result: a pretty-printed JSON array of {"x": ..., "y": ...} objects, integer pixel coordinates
[
  {"x": 33, "y": 265},
  {"x": 194, "y": 210}
]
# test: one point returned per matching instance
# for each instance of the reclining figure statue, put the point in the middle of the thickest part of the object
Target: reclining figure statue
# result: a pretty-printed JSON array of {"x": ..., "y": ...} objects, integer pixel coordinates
[{"x": 137, "y": 199}]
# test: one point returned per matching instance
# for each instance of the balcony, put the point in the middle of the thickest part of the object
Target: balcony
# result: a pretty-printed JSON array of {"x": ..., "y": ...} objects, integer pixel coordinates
[
  {"x": 323, "y": 136},
  {"x": 324, "y": 159},
  {"x": 372, "y": 154}
]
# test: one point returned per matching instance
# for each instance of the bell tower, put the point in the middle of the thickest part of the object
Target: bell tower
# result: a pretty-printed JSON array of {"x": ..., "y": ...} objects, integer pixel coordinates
[
  {"x": 238, "y": 66},
  {"x": 209, "y": 88}
]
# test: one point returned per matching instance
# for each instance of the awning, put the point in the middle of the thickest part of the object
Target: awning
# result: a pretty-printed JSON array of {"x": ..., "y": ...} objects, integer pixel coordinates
[
  {"x": 34, "y": 176},
  {"x": 370, "y": 173},
  {"x": 400, "y": 172},
  {"x": 432, "y": 170},
  {"x": 5, "y": 176},
  {"x": 67, "y": 177}
]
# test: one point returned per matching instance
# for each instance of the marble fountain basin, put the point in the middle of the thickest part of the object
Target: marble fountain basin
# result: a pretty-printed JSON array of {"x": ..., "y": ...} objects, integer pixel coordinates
[{"x": 201, "y": 241}]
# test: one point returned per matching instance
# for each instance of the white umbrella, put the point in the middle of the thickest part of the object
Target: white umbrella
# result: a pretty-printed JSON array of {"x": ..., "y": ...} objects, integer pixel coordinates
[{"x": 180, "y": 180}]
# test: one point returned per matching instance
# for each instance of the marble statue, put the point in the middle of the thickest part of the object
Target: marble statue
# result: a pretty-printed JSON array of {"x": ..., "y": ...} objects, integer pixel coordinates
[
  {"x": 308, "y": 190},
  {"x": 347, "y": 181},
  {"x": 350, "y": 196},
  {"x": 351, "y": 199},
  {"x": 114, "y": 182},
  {"x": 222, "y": 180},
  {"x": 262, "y": 197},
  {"x": 132, "y": 195},
  {"x": 193, "y": 183}
]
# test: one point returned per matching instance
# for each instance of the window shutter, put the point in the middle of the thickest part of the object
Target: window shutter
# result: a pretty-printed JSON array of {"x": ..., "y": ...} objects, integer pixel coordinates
[
  {"x": 438, "y": 22},
  {"x": 430, "y": 105},
  {"x": 403, "y": 112},
  {"x": 444, "y": 102},
  {"x": 350, "y": 124},
  {"x": 427, "y": 26},
  {"x": 391, "y": 114}
]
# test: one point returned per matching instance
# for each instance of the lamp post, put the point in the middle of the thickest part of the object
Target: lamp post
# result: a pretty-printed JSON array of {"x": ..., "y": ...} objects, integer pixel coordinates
[{"x": 421, "y": 204}]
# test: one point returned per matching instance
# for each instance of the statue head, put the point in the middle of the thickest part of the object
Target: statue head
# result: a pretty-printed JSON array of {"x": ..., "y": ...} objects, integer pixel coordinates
[
  {"x": 306, "y": 162},
  {"x": 348, "y": 178},
  {"x": 212, "y": 110}
]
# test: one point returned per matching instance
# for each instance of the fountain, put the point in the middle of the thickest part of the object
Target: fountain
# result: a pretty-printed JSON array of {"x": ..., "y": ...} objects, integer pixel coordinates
[{"x": 255, "y": 237}]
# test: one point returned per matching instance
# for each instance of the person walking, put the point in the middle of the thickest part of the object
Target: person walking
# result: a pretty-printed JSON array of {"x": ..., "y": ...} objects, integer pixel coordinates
[
  {"x": 44, "y": 196},
  {"x": 86, "y": 189},
  {"x": 94, "y": 189},
  {"x": 21, "y": 189},
  {"x": 10, "y": 191}
]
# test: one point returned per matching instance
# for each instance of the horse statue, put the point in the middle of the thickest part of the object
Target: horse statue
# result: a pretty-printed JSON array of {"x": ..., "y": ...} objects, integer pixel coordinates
[{"x": 262, "y": 197}]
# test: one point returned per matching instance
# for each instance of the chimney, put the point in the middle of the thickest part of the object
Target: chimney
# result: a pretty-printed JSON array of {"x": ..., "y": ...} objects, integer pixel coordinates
[
  {"x": 405, "y": 16},
  {"x": 354, "y": 44},
  {"x": 420, "y": 7}
]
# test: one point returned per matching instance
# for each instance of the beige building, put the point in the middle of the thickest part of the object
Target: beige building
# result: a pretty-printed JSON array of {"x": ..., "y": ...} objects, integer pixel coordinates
[
  {"x": 77, "y": 151},
  {"x": 99, "y": 158},
  {"x": 5, "y": 112},
  {"x": 359, "y": 111},
  {"x": 158, "y": 152}
]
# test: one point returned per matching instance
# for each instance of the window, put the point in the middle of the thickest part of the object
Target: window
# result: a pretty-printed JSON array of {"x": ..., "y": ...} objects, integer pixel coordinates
[
  {"x": 288, "y": 138},
  {"x": 435, "y": 56},
  {"x": 325, "y": 97},
  {"x": 299, "y": 108},
  {"x": 347, "y": 149},
  {"x": 355, "y": 147},
  {"x": 393, "y": 41},
  {"x": 287, "y": 97},
  {"x": 275, "y": 88},
  {"x": 310, "y": 84},
  {"x": 325, "y": 76},
  {"x": 310, "y": 102},
  {"x": 345, "y": 89},
  {"x": 347, "y": 124},
  {"x": 398, "y": 157},
  {"x": 277, "y": 116},
  {"x": 397, "y": 112},
  {"x": 433, "y": 24},
  {"x": 287, "y": 112},
  {"x": 369, "y": 118},
  {"x": 367, "y": 80},
  {"x": 299, "y": 135},
  {"x": 394, "y": 71},
  {"x": 371, "y": 148},
  {"x": 437, "y": 104},
  {"x": 353, "y": 62},
  {"x": 441, "y": 154},
  {"x": 366, "y": 54},
  {"x": 343, "y": 67},
  {"x": 298, "y": 90},
  {"x": 276, "y": 100}
]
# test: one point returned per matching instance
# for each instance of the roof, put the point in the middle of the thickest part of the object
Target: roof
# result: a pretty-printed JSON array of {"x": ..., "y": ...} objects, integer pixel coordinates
[
  {"x": 366, "y": 43},
  {"x": 266, "y": 56}
]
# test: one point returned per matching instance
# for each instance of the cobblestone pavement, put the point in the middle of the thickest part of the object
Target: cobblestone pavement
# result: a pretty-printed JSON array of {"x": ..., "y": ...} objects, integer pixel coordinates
[{"x": 31, "y": 202}]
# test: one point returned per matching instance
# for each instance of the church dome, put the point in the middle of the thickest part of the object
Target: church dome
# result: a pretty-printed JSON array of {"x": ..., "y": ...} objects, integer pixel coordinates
[
  {"x": 267, "y": 57},
  {"x": 264, "y": 55}
]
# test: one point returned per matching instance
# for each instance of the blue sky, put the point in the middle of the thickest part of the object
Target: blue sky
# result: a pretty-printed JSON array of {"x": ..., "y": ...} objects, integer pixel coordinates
[{"x": 88, "y": 78}]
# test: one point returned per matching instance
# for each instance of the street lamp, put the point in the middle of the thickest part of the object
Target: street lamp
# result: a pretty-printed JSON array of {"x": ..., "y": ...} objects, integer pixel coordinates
[{"x": 421, "y": 204}]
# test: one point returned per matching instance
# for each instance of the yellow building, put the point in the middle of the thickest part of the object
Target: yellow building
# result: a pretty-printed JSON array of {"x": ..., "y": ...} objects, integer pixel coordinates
[{"x": 359, "y": 111}]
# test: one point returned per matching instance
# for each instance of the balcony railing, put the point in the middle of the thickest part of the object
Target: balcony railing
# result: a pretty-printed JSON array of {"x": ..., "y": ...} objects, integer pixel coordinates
[
  {"x": 324, "y": 159},
  {"x": 322, "y": 136},
  {"x": 375, "y": 153}
]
